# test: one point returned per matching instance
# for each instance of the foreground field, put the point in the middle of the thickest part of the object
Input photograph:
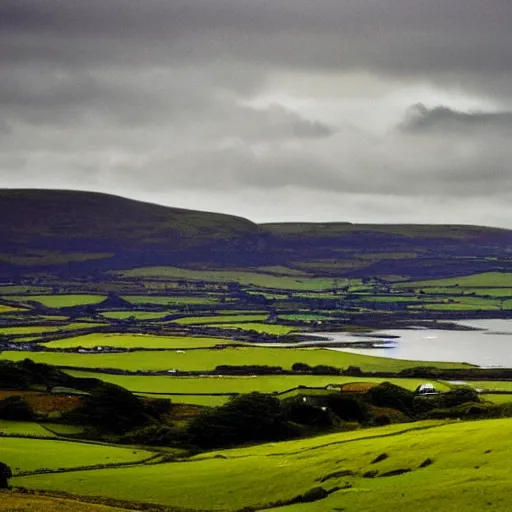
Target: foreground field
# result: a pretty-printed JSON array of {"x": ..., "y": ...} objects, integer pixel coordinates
[
  {"x": 468, "y": 470},
  {"x": 14, "y": 502}
]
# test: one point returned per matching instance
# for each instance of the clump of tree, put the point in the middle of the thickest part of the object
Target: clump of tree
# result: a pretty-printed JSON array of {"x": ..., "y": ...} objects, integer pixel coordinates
[
  {"x": 391, "y": 396},
  {"x": 111, "y": 408},
  {"x": 5, "y": 474},
  {"x": 246, "y": 418},
  {"x": 306, "y": 411},
  {"x": 15, "y": 408}
]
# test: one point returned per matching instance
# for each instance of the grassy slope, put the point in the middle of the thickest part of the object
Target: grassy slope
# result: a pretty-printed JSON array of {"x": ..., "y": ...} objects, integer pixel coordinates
[
  {"x": 462, "y": 477},
  {"x": 11, "y": 502},
  {"x": 209, "y": 359},
  {"x": 487, "y": 279},
  {"x": 32, "y": 454}
]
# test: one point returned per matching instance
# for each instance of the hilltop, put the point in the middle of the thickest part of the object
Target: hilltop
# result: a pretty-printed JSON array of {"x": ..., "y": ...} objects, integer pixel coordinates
[{"x": 71, "y": 231}]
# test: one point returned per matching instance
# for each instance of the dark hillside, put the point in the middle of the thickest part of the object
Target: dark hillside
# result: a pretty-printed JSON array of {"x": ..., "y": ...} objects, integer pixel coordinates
[
  {"x": 52, "y": 227},
  {"x": 83, "y": 232},
  {"x": 378, "y": 249}
]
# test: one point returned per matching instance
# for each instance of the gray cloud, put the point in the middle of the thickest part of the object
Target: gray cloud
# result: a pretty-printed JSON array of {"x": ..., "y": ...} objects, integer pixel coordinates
[
  {"x": 421, "y": 119},
  {"x": 235, "y": 103}
]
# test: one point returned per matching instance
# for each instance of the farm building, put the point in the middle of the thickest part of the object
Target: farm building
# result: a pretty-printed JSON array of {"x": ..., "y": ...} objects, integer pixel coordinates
[{"x": 426, "y": 389}]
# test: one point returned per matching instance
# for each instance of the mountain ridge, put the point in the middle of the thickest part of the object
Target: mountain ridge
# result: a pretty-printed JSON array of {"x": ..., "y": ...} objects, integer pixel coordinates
[{"x": 78, "y": 231}]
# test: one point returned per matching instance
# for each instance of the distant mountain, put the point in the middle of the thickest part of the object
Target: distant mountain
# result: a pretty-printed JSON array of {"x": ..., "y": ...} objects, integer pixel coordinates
[
  {"x": 70, "y": 231},
  {"x": 54, "y": 227}
]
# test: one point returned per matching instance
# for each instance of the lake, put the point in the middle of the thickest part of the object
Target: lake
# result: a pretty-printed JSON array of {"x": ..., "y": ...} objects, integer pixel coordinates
[{"x": 491, "y": 346}]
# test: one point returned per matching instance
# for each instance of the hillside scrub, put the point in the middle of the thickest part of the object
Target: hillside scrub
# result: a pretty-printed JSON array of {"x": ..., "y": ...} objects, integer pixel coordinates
[{"x": 5, "y": 474}]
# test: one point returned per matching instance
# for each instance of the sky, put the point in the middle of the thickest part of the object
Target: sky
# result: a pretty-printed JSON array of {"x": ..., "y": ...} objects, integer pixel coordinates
[{"x": 276, "y": 110}]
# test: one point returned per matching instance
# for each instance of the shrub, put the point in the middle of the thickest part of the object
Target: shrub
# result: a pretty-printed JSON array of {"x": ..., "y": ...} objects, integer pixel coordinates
[
  {"x": 307, "y": 413},
  {"x": 382, "y": 420},
  {"x": 314, "y": 494},
  {"x": 301, "y": 367},
  {"x": 153, "y": 435},
  {"x": 5, "y": 474},
  {"x": 460, "y": 396},
  {"x": 348, "y": 408},
  {"x": 15, "y": 408},
  {"x": 111, "y": 408},
  {"x": 390, "y": 395}
]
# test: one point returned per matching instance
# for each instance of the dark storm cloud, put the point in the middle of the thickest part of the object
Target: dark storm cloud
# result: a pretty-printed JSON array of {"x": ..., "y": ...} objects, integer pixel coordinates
[
  {"x": 421, "y": 119},
  {"x": 396, "y": 36}
]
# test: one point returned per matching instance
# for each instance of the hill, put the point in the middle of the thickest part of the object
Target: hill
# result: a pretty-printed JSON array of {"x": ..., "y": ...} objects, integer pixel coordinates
[
  {"x": 84, "y": 232},
  {"x": 427, "y": 466}
]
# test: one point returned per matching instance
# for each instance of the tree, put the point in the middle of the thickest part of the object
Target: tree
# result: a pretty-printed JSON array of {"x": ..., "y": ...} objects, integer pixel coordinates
[
  {"x": 15, "y": 408},
  {"x": 245, "y": 418},
  {"x": 348, "y": 408},
  {"x": 111, "y": 408},
  {"x": 305, "y": 412},
  {"x": 390, "y": 395},
  {"x": 5, "y": 474}
]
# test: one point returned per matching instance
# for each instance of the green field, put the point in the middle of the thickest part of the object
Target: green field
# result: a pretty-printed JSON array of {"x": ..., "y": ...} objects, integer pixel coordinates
[
  {"x": 221, "y": 319},
  {"x": 169, "y": 301},
  {"x": 487, "y": 279},
  {"x": 305, "y": 317},
  {"x": 23, "y": 428},
  {"x": 137, "y": 315},
  {"x": 470, "y": 470},
  {"x": 59, "y": 301},
  {"x": 36, "y": 329},
  {"x": 497, "y": 398},
  {"x": 494, "y": 385},
  {"x": 209, "y": 359},
  {"x": 225, "y": 384},
  {"x": 137, "y": 341},
  {"x": 278, "y": 330},
  {"x": 23, "y": 454},
  {"x": 477, "y": 292},
  {"x": 243, "y": 277},
  {"x": 10, "y": 309},
  {"x": 200, "y": 400}
]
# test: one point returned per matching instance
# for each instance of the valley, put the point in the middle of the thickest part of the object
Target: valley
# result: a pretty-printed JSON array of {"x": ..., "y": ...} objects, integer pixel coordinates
[{"x": 126, "y": 317}]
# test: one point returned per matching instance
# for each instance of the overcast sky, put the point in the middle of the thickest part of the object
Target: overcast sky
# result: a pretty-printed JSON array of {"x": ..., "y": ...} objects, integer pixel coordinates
[{"x": 325, "y": 110}]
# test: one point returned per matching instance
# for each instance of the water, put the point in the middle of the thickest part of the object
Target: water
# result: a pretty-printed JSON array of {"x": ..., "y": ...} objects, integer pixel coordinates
[{"x": 489, "y": 347}]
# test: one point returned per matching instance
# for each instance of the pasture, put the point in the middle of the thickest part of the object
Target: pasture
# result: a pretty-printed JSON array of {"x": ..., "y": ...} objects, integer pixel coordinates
[
  {"x": 59, "y": 301},
  {"x": 208, "y": 359},
  {"x": 40, "y": 329},
  {"x": 220, "y": 319},
  {"x": 468, "y": 470},
  {"x": 137, "y": 315},
  {"x": 277, "y": 330},
  {"x": 144, "y": 341},
  {"x": 229, "y": 384},
  {"x": 485, "y": 279},
  {"x": 168, "y": 300},
  {"x": 258, "y": 279},
  {"x": 23, "y": 428},
  {"x": 23, "y": 454}
]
